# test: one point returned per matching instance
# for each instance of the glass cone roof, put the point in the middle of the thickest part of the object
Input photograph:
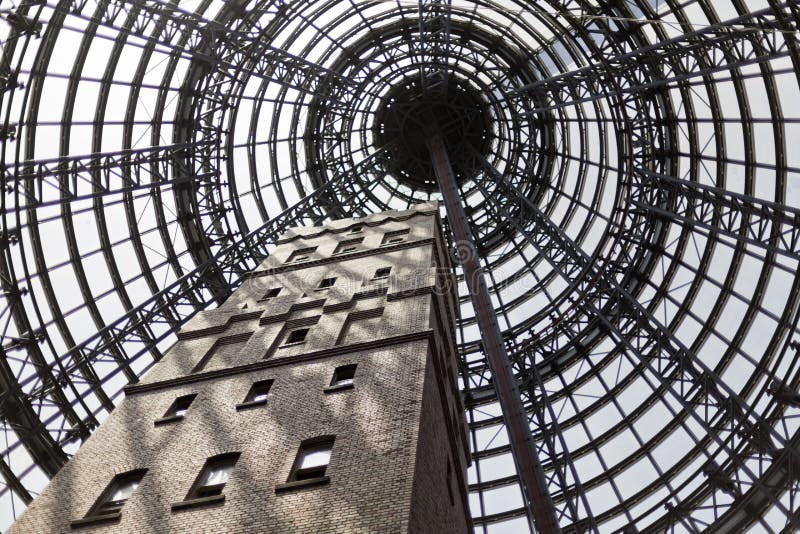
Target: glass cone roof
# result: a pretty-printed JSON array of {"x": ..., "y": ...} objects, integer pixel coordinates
[{"x": 635, "y": 200}]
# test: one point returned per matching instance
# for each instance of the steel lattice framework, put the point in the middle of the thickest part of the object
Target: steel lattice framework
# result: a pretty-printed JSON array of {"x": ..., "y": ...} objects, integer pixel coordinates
[{"x": 629, "y": 170}]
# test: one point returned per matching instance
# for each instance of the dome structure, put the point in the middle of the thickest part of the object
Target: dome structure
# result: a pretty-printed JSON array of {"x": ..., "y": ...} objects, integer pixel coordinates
[{"x": 628, "y": 170}]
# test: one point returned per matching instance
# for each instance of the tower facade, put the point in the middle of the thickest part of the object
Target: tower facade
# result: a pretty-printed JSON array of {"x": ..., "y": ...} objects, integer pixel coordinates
[{"x": 320, "y": 397}]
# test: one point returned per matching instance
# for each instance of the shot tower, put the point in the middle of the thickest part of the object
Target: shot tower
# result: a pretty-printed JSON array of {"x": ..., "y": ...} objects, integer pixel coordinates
[{"x": 320, "y": 397}]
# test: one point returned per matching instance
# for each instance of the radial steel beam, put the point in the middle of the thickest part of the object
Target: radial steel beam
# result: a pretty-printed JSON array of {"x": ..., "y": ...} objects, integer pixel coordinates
[
  {"x": 749, "y": 39},
  {"x": 554, "y": 447},
  {"x": 747, "y": 218},
  {"x": 226, "y": 53},
  {"x": 726, "y": 417},
  {"x": 214, "y": 44},
  {"x": 531, "y": 475},
  {"x": 434, "y": 43},
  {"x": 23, "y": 417},
  {"x": 13, "y": 483},
  {"x": 56, "y": 181},
  {"x": 626, "y": 90},
  {"x": 178, "y": 302}
]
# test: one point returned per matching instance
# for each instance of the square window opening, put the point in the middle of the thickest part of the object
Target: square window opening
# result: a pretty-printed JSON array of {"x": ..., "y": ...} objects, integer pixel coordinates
[
  {"x": 312, "y": 459},
  {"x": 297, "y": 336},
  {"x": 180, "y": 406},
  {"x": 302, "y": 254},
  {"x": 272, "y": 293},
  {"x": 391, "y": 238},
  {"x": 348, "y": 246},
  {"x": 259, "y": 392},
  {"x": 213, "y": 477},
  {"x": 344, "y": 375},
  {"x": 326, "y": 283},
  {"x": 117, "y": 493},
  {"x": 381, "y": 273}
]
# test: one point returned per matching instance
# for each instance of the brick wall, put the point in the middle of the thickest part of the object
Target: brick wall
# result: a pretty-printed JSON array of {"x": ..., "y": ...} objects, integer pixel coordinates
[
  {"x": 432, "y": 509},
  {"x": 395, "y": 432}
]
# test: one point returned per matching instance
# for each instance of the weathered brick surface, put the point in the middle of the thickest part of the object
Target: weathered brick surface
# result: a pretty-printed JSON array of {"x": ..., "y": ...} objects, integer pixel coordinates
[
  {"x": 395, "y": 430},
  {"x": 431, "y": 507}
]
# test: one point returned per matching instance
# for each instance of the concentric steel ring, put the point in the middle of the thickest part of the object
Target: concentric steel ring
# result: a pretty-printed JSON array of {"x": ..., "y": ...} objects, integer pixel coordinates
[{"x": 635, "y": 200}]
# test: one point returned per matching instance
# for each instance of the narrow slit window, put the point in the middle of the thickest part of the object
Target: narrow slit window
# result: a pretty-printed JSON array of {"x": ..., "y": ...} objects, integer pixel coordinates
[
  {"x": 117, "y": 493},
  {"x": 213, "y": 477},
  {"x": 449, "y": 477},
  {"x": 297, "y": 336},
  {"x": 357, "y": 229},
  {"x": 326, "y": 283},
  {"x": 312, "y": 459},
  {"x": 344, "y": 376},
  {"x": 382, "y": 273},
  {"x": 177, "y": 409}
]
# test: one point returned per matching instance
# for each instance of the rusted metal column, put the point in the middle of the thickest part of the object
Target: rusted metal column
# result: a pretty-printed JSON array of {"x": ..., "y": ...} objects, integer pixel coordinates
[{"x": 534, "y": 485}]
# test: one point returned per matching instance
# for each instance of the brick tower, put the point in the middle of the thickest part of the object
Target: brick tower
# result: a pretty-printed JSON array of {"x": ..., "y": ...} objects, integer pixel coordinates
[{"x": 321, "y": 397}]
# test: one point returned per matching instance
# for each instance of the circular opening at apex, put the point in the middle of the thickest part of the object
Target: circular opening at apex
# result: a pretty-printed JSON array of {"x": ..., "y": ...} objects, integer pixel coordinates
[{"x": 407, "y": 117}]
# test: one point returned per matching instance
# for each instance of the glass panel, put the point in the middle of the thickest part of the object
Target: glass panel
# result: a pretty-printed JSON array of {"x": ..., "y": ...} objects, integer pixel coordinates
[
  {"x": 124, "y": 490},
  {"x": 217, "y": 474},
  {"x": 344, "y": 375},
  {"x": 316, "y": 458},
  {"x": 296, "y": 336}
]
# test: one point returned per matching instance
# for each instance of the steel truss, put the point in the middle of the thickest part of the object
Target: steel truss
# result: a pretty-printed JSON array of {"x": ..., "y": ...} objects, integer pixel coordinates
[
  {"x": 727, "y": 419},
  {"x": 629, "y": 241}
]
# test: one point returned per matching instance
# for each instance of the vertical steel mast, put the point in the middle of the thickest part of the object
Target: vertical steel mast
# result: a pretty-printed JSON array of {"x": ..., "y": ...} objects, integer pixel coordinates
[{"x": 534, "y": 485}]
